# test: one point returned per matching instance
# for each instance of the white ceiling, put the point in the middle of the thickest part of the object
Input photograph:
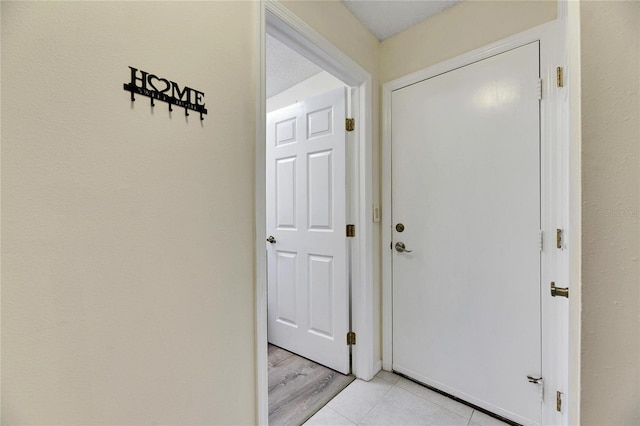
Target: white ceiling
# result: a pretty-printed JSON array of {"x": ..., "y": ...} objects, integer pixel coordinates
[
  {"x": 285, "y": 67},
  {"x": 384, "y": 18}
]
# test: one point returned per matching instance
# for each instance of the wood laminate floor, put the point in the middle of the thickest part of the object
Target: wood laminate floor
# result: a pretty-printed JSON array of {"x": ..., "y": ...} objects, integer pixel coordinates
[{"x": 298, "y": 387}]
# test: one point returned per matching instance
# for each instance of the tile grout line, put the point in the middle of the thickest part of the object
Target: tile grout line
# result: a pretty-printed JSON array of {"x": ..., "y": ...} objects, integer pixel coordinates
[
  {"x": 340, "y": 414},
  {"x": 436, "y": 403},
  {"x": 439, "y": 405},
  {"x": 470, "y": 417},
  {"x": 377, "y": 402}
]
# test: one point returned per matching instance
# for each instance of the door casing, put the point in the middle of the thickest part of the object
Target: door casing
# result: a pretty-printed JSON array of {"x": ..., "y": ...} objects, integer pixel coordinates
[
  {"x": 555, "y": 195},
  {"x": 291, "y": 30}
]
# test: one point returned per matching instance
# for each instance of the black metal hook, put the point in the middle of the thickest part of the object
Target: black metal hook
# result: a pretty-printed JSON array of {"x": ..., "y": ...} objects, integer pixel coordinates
[
  {"x": 152, "y": 102},
  {"x": 186, "y": 112}
]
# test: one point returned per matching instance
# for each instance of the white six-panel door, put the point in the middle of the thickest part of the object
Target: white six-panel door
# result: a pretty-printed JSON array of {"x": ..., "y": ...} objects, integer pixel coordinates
[
  {"x": 308, "y": 294},
  {"x": 466, "y": 188}
]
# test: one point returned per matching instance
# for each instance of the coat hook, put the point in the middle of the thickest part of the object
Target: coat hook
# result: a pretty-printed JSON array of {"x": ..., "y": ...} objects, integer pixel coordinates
[
  {"x": 186, "y": 112},
  {"x": 201, "y": 117},
  {"x": 152, "y": 102},
  {"x": 170, "y": 108},
  {"x": 133, "y": 98}
]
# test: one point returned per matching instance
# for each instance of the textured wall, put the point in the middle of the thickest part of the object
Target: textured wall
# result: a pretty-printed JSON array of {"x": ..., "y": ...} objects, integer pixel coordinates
[
  {"x": 127, "y": 232},
  {"x": 611, "y": 208},
  {"x": 462, "y": 28}
]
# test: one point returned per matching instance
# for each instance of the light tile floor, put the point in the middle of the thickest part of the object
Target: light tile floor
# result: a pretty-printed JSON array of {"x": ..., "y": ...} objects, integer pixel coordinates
[{"x": 389, "y": 399}]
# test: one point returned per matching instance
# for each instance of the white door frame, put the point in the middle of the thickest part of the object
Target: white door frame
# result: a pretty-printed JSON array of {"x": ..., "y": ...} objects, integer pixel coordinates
[
  {"x": 555, "y": 191},
  {"x": 291, "y": 30}
]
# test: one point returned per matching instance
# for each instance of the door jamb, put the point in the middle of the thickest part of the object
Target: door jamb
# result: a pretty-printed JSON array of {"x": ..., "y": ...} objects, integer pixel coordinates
[
  {"x": 555, "y": 187},
  {"x": 291, "y": 30}
]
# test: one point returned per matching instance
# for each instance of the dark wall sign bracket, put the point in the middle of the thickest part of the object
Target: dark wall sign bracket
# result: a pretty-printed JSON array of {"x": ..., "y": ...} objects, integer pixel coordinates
[{"x": 154, "y": 87}]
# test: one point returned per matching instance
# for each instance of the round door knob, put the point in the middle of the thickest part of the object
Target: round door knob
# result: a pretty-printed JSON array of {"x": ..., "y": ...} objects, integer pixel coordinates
[{"x": 271, "y": 239}]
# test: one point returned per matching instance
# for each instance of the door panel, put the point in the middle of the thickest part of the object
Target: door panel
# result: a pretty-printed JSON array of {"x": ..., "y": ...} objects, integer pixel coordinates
[
  {"x": 286, "y": 193},
  {"x": 466, "y": 186},
  {"x": 285, "y": 288},
  {"x": 321, "y": 297},
  {"x": 308, "y": 294},
  {"x": 320, "y": 198}
]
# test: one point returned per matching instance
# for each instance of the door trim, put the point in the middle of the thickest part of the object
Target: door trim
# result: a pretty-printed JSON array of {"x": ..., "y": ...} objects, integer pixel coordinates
[
  {"x": 276, "y": 19},
  {"x": 555, "y": 195}
]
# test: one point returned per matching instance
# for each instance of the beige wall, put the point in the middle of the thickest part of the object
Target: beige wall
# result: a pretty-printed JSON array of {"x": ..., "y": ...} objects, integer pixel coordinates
[
  {"x": 462, "y": 28},
  {"x": 121, "y": 302},
  {"x": 610, "y": 213},
  {"x": 127, "y": 232}
]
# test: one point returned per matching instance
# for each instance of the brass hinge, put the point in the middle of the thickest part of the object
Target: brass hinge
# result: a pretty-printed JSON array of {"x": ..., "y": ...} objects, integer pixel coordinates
[
  {"x": 559, "y": 291},
  {"x": 560, "y": 76},
  {"x": 559, "y": 402},
  {"x": 351, "y": 230},
  {"x": 351, "y": 338},
  {"x": 350, "y": 124},
  {"x": 559, "y": 238}
]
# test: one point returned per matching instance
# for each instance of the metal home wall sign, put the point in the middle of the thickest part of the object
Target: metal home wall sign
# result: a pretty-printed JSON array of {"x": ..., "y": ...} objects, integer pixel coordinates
[{"x": 154, "y": 87}]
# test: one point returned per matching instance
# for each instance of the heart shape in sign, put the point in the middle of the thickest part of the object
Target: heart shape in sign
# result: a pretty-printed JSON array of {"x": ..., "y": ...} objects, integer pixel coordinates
[{"x": 163, "y": 80}]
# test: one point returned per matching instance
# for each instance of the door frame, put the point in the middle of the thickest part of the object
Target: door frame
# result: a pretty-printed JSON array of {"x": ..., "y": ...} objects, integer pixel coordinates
[
  {"x": 556, "y": 188},
  {"x": 296, "y": 34}
]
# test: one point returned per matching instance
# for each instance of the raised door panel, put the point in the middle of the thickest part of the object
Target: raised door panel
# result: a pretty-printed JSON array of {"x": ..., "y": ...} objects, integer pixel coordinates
[
  {"x": 321, "y": 295},
  {"x": 285, "y": 193},
  {"x": 320, "y": 190},
  {"x": 320, "y": 123},
  {"x": 286, "y": 131}
]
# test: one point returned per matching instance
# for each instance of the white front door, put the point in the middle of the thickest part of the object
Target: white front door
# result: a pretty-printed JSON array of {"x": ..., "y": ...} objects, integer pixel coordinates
[
  {"x": 466, "y": 189},
  {"x": 308, "y": 293}
]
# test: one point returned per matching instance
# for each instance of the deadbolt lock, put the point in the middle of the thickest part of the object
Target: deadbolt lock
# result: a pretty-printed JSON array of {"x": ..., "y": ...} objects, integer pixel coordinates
[{"x": 399, "y": 227}]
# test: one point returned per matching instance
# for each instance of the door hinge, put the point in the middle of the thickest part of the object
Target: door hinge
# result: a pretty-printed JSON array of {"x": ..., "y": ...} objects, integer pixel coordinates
[
  {"x": 559, "y": 238},
  {"x": 540, "y": 240},
  {"x": 559, "y": 291},
  {"x": 560, "y": 76},
  {"x": 559, "y": 401},
  {"x": 350, "y": 124},
  {"x": 351, "y": 338},
  {"x": 539, "y": 89},
  {"x": 351, "y": 230}
]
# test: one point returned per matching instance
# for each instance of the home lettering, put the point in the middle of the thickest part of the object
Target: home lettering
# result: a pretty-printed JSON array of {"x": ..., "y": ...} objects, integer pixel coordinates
[{"x": 162, "y": 89}]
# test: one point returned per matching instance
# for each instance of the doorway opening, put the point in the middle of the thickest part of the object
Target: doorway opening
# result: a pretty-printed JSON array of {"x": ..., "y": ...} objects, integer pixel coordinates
[
  {"x": 308, "y": 269},
  {"x": 285, "y": 28}
]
